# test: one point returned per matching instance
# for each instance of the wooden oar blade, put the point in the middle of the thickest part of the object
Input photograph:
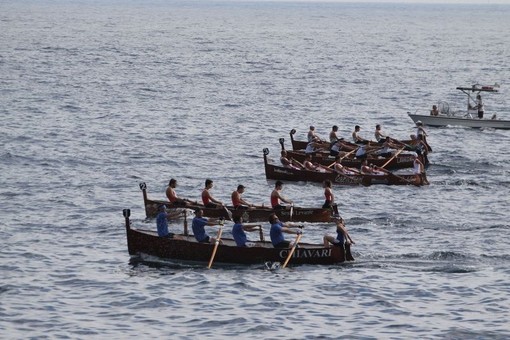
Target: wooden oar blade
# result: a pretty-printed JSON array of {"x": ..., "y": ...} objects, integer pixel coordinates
[
  {"x": 216, "y": 244},
  {"x": 291, "y": 252}
]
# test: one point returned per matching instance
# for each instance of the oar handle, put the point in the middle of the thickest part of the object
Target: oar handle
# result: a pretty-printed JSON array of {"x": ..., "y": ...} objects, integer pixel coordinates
[
  {"x": 291, "y": 252},
  {"x": 216, "y": 244},
  {"x": 393, "y": 157}
]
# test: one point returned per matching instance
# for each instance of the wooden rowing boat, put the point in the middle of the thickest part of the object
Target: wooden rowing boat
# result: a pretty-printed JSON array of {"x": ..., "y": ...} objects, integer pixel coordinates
[
  {"x": 402, "y": 161},
  {"x": 347, "y": 146},
  {"x": 278, "y": 172},
  {"x": 185, "y": 248},
  {"x": 299, "y": 214}
]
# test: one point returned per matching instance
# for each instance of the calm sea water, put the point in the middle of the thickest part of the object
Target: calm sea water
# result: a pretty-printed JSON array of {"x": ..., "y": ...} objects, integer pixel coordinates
[{"x": 98, "y": 96}]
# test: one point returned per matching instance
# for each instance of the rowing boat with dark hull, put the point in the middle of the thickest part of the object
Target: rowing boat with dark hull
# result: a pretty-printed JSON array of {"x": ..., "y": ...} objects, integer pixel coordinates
[
  {"x": 299, "y": 214},
  {"x": 347, "y": 146},
  {"x": 323, "y": 158},
  {"x": 184, "y": 247},
  {"x": 401, "y": 161},
  {"x": 276, "y": 172}
]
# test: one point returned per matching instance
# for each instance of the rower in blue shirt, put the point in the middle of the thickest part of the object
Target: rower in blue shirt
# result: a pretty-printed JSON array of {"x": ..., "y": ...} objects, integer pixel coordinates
[{"x": 238, "y": 231}]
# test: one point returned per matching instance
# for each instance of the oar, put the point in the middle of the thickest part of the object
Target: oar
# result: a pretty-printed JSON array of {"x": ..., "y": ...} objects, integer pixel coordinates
[
  {"x": 186, "y": 223},
  {"x": 261, "y": 233},
  {"x": 292, "y": 250},
  {"x": 229, "y": 213},
  {"x": 216, "y": 244},
  {"x": 346, "y": 155},
  {"x": 328, "y": 170},
  {"x": 393, "y": 157},
  {"x": 299, "y": 163}
]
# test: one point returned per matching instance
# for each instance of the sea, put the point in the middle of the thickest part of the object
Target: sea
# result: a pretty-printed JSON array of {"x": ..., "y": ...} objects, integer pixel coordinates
[{"x": 98, "y": 96}]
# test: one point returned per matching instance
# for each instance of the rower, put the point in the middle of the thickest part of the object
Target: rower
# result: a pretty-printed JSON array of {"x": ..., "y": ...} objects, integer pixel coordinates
[
  {"x": 237, "y": 200},
  {"x": 339, "y": 168},
  {"x": 379, "y": 136},
  {"x": 208, "y": 200},
  {"x": 328, "y": 194},
  {"x": 238, "y": 232},
  {"x": 365, "y": 168},
  {"x": 286, "y": 162},
  {"x": 335, "y": 148},
  {"x": 332, "y": 135},
  {"x": 312, "y": 135},
  {"x": 386, "y": 148},
  {"x": 172, "y": 196},
  {"x": 277, "y": 230},
  {"x": 313, "y": 146},
  {"x": 308, "y": 163},
  {"x": 277, "y": 198},
  {"x": 356, "y": 138},
  {"x": 419, "y": 170}
]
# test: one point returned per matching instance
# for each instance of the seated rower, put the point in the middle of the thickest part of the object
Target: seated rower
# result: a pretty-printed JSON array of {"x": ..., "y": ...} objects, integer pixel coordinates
[
  {"x": 356, "y": 137},
  {"x": 361, "y": 153},
  {"x": 387, "y": 146},
  {"x": 172, "y": 196},
  {"x": 288, "y": 163},
  {"x": 277, "y": 230},
  {"x": 336, "y": 147},
  {"x": 374, "y": 171},
  {"x": 314, "y": 146},
  {"x": 162, "y": 221},
  {"x": 339, "y": 168},
  {"x": 328, "y": 194},
  {"x": 198, "y": 226},
  {"x": 365, "y": 168},
  {"x": 342, "y": 236},
  {"x": 379, "y": 136},
  {"x": 239, "y": 229},
  {"x": 308, "y": 163},
  {"x": 277, "y": 198},
  {"x": 312, "y": 135},
  {"x": 237, "y": 200},
  {"x": 208, "y": 200},
  {"x": 418, "y": 170},
  {"x": 332, "y": 135}
]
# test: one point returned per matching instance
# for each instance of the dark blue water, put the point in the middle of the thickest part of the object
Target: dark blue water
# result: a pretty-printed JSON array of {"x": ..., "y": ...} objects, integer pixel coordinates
[{"x": 98, "y": 96}]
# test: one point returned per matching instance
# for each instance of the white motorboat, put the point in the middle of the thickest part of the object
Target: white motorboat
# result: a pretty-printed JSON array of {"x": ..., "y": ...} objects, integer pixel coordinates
[{"x": 469, "y": 118}]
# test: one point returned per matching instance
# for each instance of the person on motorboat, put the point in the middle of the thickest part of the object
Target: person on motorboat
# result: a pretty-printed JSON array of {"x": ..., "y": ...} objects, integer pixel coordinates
[
  {"x": 479, "y": 106},
  {"x": 434, "y": 111}
]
